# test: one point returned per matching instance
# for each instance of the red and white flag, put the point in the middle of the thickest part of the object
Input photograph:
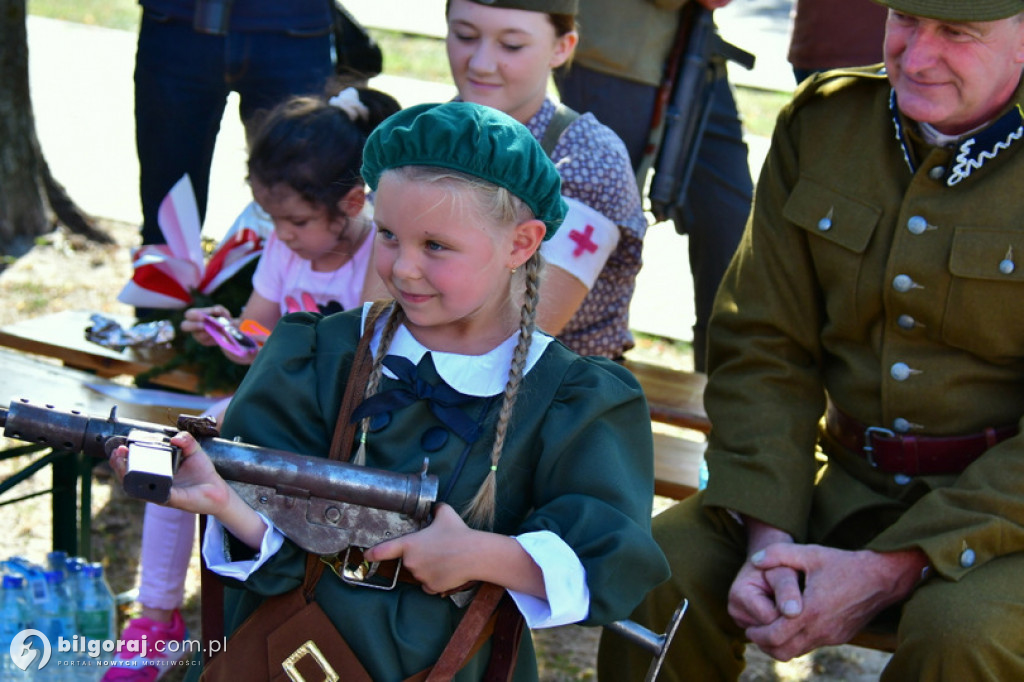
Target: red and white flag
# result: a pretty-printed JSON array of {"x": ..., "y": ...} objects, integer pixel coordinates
[{"x": 166, "y": 275}]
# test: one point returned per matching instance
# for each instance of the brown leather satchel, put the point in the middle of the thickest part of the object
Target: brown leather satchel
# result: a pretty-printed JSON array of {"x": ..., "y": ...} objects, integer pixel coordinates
[{"x": 299, "y": 640}]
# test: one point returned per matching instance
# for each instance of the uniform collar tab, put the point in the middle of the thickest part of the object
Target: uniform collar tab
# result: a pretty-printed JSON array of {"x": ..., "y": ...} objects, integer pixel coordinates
[{"x": 971, "y": 152}]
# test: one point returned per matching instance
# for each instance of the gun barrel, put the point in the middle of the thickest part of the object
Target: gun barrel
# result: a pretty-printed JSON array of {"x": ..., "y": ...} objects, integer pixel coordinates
[
  {"x": 71, "y": 430},
  {"x": 408, "y": 494}
]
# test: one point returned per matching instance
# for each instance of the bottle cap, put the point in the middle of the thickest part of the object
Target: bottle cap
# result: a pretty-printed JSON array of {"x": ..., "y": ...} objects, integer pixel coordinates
[{"x": 12, "y": 581}]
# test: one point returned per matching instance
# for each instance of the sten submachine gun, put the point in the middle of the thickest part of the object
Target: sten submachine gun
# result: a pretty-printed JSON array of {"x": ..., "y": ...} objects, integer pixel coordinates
[{"x": 324, "y": 506}]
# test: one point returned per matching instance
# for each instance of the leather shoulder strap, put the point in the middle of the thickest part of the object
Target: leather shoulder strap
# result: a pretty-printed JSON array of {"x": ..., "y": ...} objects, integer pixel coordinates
[
  {"x": 476, "y": 626},
  {"x": 344, "y": 429},
  {"x": 359, "y": 374},
  {"x": 563, "y": 118}
]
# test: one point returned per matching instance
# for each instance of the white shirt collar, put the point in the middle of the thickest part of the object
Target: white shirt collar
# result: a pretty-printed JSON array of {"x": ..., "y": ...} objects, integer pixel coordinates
[
  {"x": 476, "y": 375},
  {"x": 937, "y": 139}
]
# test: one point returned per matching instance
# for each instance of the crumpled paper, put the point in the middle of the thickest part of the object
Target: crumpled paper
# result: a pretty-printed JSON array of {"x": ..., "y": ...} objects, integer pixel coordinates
[{"x": 110, "y": 334}]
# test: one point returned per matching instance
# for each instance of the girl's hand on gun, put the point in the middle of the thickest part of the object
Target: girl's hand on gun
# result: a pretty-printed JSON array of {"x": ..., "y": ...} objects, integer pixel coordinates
[
  {"x": 197, "y": 488},
  {"x": 436, "y": 555},
  {"x": 447, "y": 554}
]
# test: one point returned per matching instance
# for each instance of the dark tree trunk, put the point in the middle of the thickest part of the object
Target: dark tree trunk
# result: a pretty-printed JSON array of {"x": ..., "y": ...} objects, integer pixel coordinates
[{"x": 31, "y": 200}]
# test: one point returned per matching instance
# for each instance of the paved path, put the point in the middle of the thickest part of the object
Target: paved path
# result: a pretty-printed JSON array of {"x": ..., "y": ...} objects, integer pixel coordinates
[
  {"x": 759, "y": 26},
  {"x": 81, "y": 84}
]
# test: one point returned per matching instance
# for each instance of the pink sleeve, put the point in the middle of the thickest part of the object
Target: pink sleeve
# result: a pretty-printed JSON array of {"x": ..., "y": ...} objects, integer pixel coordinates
[{"x": 267, "y": 281}]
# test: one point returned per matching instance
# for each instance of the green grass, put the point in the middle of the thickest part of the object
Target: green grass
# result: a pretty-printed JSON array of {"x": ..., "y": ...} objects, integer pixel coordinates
[
  {"x": 419, "y": 57},
  {"x": 759, "y": 108},
  {"x": 122, "y": 14},
  {"x": 33, "y": 297}
]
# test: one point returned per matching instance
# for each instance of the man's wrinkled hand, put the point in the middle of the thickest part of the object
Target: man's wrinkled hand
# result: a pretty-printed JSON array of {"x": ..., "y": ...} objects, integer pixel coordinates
[
  {"x": 759, "y": 597},
  {"x": 842, "y": 592}
]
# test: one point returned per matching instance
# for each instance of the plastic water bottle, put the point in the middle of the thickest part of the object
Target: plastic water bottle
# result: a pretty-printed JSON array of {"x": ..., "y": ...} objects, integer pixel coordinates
[
  {"x": 55, "y": 617},
  {"x": 96, "y": 614},
  {"x": 57, "y": 560},
  {"x": 14, "y": 617},
  {"x": 35, "y": 579},
  {"x": 73, "y": 568},
  {"x": 57, "y": 612}
]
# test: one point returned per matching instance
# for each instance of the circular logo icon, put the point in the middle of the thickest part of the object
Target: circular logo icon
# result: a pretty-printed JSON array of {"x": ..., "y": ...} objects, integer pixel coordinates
[{"x": 24, "y": 655}]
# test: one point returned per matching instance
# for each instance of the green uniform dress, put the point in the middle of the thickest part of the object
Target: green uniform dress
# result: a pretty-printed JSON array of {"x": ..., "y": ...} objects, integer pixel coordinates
[
  {"x": 887, "y": 276},
  {"x": 577, "y": 462}
]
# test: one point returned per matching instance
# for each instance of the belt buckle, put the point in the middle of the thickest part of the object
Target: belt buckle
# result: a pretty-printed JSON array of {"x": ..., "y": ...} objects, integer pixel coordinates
[
  {"x": 869, "y": 450},
  {"x": 309, "y": 648}
]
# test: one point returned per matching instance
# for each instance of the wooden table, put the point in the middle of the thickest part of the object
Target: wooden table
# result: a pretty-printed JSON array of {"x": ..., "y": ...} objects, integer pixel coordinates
[
  {"x": 62, "y": 336},
  {"x": 41, "y": 381}
]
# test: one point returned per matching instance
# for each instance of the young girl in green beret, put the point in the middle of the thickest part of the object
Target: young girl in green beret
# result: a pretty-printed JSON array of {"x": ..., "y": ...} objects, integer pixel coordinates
[
  {"x": 501, "y": 54},
  {"x": 543, "y": 457}
]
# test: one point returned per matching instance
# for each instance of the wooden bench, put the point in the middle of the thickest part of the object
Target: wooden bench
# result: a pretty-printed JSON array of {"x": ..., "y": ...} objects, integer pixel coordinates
[
  {"x": 676, "y": 464},
  {"x": 675, "y": 397},
  {"x": 679, "y": 422}
]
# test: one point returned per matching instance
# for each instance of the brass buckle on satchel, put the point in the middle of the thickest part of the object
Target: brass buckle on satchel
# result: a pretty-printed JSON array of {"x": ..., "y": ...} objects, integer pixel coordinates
[{"x": 309, "y": 648}]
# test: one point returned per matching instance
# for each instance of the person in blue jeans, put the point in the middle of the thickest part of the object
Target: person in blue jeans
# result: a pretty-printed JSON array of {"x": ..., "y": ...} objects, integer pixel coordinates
[
  {"x": 191, "y": 55},
  {"x": 615, "y": 74}
]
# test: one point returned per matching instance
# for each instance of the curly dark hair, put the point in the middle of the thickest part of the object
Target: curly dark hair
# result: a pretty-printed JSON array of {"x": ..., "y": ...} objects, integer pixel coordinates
[{"x": 315, "y": 148}]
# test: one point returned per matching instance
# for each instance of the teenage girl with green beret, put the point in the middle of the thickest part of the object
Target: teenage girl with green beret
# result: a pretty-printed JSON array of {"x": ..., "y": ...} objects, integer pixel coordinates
[{"x": 538, "y": 451}]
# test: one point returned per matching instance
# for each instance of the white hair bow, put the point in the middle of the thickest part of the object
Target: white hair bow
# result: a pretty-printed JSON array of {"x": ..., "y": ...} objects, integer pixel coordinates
[{"x": 348, "y": 101}]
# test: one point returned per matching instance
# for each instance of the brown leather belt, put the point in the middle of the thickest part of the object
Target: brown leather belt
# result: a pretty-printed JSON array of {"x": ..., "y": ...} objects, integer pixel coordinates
[{"x": 896, "y": 453}]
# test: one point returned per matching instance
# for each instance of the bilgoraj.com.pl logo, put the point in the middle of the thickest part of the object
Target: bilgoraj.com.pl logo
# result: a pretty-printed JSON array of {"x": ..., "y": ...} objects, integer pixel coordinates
[{"x": 27, "y": 653}]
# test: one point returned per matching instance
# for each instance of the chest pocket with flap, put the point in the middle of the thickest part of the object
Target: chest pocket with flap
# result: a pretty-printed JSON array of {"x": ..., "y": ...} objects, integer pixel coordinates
[
  {"x": 840, "y": 228},
  {"x": 984, "y": 310}
]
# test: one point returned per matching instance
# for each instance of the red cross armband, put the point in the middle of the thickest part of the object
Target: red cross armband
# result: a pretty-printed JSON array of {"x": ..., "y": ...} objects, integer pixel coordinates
[{"x": 583, "y": 243}]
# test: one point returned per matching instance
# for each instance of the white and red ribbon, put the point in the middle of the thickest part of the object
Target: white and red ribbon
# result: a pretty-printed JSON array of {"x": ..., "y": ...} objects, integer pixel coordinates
[{"x": 166, "y": 275}]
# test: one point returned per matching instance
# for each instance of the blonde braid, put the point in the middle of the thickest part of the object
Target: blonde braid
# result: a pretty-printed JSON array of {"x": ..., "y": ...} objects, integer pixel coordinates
[
  {"x": 395, "y": 318},
  {"x": 481, "y": 509}
]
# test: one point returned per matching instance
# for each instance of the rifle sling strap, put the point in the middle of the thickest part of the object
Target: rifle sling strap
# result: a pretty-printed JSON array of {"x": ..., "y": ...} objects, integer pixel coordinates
[
  {"x": 491, "y": 615},
  {"x": 344, "y": 429}
]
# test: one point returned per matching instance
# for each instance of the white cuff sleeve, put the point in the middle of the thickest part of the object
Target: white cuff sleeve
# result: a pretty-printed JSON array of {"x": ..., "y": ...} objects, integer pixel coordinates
[
  {"x": 565, "y": 582},
  {"x": 217, "y": 560},
  {"x": 582, "y": 244}
]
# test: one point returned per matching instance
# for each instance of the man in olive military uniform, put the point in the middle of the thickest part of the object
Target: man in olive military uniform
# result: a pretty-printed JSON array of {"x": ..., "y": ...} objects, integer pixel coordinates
[{"x": 874, "y": 312}]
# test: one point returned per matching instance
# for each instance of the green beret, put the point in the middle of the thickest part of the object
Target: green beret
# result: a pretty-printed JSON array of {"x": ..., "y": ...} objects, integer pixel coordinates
[
  {"x": 549, "y": 6},
  {"x": 472, "y": 139},
  {"x": 957, "y": 10}
]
